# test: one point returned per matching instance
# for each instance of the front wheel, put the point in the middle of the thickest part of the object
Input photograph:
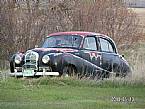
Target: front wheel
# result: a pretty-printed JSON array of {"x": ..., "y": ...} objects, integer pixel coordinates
[
  {"x": 69, "y": 71},
  {"x": 12, "y": 67}
]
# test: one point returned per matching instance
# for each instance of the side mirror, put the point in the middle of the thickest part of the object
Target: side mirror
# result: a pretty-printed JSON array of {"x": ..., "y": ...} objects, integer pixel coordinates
[{"x": 121, "y": 56}]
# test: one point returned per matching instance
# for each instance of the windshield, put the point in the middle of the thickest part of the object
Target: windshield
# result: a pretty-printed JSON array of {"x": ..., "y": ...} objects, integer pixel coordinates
[{"x": 63, "y": 41}]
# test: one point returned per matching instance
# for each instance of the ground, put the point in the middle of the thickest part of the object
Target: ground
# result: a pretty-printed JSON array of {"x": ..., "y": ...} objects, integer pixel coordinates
[{"x": 70, "y": 93}]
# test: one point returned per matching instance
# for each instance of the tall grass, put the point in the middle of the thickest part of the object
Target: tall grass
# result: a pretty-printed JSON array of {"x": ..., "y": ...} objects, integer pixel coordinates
[
  {"x": 135, "y": 56},
  {"x": 136, "y": 59}
]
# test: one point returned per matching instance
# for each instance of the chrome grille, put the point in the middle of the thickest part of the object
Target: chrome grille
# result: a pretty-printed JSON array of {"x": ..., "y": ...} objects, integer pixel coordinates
[{"x": 31, "y": 60}]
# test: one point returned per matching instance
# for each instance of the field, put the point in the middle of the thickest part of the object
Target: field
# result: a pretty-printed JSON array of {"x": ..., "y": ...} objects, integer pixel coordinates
[
  {"x": 69, "y": 93},
  {"x": 141, "y": 15}
]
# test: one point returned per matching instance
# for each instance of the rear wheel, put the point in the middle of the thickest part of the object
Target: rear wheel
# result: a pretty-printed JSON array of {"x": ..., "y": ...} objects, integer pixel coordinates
[{"x": 122, "y": 75}]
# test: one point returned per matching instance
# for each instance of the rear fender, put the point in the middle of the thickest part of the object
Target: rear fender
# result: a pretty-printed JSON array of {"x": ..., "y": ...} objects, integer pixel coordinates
[{"x": 82, "y": 66}]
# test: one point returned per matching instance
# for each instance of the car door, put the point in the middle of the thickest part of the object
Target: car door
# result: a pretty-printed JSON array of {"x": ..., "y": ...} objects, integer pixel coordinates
[
  {"x": 89, "y": 50},
  {"x": 110, "y": 57}
]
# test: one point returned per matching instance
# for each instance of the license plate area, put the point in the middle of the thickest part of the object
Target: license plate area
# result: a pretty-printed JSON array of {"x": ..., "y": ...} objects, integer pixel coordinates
[{"x": 28, "y": 72}]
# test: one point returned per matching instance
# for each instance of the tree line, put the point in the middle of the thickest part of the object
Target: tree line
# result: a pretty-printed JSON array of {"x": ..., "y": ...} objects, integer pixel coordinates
[{"x": 25, "y": 23}]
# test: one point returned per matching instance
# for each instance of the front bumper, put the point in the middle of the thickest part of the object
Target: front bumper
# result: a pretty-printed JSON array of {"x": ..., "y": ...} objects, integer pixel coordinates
[
  {"x": 21, "y": 74},
  {"x": 32, "y": 72}
]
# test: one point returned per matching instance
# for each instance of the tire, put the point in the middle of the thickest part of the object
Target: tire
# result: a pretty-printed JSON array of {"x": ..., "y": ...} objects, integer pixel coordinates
[
  {"x": 127, "y": 74},
  {"x": 106, "y": 74},
  {"x": 99, "y": 75},
  {"x": 123, "y": 75},
  {"x": 69, "y": 71},
  {"x": 11, "y": 67}
]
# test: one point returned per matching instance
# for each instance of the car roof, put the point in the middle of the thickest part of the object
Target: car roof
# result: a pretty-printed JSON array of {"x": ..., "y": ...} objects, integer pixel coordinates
[{"x": 80, "y": 33}]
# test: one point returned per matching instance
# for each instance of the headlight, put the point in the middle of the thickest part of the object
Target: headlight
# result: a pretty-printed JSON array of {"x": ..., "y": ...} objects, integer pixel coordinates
[
  {"x": 45, "y": 59},
  {"x": 18, "y": 59}
]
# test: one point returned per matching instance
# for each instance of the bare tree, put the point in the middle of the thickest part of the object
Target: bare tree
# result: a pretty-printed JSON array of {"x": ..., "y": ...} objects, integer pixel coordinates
[
  {"x": 24, "y": 23},
  {"x": 110, "y": 17}
]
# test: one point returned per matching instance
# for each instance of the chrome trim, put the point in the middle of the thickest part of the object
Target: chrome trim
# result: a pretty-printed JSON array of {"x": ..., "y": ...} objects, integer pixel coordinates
[
  {"x": 36, "y": 74},
  {"x": 31, "y": 60}
]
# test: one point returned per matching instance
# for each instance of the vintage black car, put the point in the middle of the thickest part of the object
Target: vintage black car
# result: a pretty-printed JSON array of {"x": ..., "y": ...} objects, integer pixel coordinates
[{"x": 85, "y": 54}]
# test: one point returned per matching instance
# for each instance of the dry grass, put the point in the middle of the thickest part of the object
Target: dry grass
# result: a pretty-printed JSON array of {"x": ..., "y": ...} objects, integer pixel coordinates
[{"x": 136, "y": 58}]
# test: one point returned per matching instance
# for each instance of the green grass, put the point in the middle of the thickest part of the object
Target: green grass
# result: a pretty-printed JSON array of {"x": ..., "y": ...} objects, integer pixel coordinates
[{"x": 59, "y": 93}]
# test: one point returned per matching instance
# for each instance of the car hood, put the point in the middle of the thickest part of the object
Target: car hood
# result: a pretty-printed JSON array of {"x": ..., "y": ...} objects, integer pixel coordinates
[{"x": 54, "y": 50}]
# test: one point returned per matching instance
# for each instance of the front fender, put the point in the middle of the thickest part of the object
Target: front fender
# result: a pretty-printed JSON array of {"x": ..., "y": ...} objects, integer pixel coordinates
[{"x": 12, "y": 61}]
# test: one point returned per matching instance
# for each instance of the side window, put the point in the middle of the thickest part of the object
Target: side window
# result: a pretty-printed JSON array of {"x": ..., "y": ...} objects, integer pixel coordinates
[
  {"x": 106, "y": 45},
  {"x": 90, "y": 43}
]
